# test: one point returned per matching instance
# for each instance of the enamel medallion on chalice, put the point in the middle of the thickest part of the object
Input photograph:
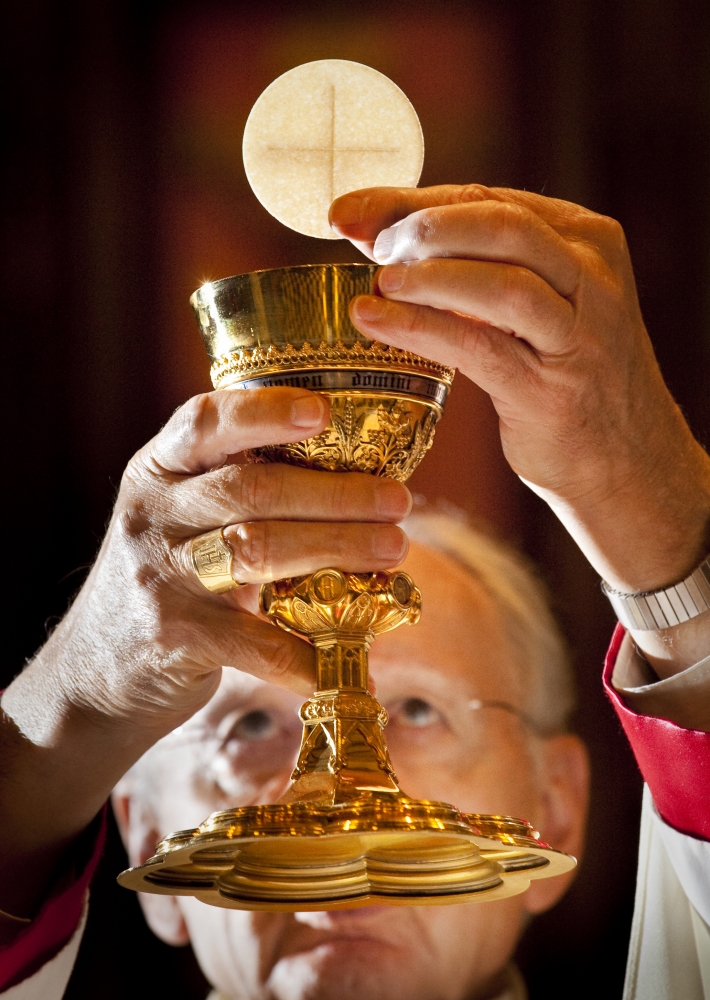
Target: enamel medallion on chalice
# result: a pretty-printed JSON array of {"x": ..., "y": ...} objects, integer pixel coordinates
[{"x": 344, "y": 834}]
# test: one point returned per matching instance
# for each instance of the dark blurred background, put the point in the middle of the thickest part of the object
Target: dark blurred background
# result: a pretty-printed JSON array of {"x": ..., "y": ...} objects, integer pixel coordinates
[{"x": 123, "y": 189}]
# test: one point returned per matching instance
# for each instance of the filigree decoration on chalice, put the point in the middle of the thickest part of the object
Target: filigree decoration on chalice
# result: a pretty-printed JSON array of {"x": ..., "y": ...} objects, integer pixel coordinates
[{"x": 384, "y": 437}]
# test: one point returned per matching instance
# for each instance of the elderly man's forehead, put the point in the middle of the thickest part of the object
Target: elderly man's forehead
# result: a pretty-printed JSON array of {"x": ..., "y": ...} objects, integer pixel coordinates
[
  {"x": 447, "y": 585},
  {"x": 461, "y": 637},
  {"x": 429, "y": 559}
]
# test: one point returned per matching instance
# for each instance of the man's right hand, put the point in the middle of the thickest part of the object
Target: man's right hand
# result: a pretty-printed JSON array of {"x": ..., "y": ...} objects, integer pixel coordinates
[
  {"x": 534, "y": 299},
  {"x": 143, "y": 645}
]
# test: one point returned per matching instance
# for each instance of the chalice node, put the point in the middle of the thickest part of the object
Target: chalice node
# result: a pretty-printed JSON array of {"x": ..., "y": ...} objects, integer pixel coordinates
[{"x": 343, "y": 834}]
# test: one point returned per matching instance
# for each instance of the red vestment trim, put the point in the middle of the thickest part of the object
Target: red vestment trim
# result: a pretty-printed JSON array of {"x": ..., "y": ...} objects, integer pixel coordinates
[
  {"x": 55, "y": 923},
  {"x": 674, "y": 762}
]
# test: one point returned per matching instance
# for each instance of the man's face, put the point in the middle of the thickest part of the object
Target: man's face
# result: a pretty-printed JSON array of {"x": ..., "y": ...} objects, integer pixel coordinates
[{"x": 241, "y": 749}]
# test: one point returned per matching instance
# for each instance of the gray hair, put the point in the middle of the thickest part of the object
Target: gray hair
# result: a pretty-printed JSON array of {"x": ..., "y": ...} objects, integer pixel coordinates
[{"x": 522, "y": 600}]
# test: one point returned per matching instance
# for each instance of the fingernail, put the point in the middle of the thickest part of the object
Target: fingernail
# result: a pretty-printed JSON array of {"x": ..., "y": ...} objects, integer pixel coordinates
[
  {"x": 368, "y": 307},
  {"x": 391, "y": 544},
  {"x": 346, "y": 211},
  {"x": 392, "y": 499},
  {"x": 391, "y": 278},
  {"x": 384, "y": 244},
  {"x": 307, "y": 411}
]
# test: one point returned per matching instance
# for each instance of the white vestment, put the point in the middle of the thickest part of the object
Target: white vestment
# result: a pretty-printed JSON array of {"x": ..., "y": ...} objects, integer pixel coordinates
[
  {"x": 669, "y": 949},
  {"x": 50, "y": 982}
]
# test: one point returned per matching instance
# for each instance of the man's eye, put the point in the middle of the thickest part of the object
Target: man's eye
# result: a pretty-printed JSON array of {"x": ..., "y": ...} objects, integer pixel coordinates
[
  {"x": 417, "y": 712},
  {"x": 256, "y": 725}
]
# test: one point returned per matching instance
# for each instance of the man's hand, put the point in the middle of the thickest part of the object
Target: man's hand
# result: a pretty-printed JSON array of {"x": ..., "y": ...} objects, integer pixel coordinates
[
  {"x": 534, "y": 300},
  {"x": 143, "y": 646}
]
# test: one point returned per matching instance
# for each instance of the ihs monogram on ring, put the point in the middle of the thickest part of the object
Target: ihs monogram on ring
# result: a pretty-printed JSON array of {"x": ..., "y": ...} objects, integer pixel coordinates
[{"x": 212, "y": 560}]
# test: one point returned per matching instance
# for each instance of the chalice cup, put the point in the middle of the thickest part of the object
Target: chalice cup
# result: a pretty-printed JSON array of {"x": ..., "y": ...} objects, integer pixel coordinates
[{"x": 344, "y": 834}]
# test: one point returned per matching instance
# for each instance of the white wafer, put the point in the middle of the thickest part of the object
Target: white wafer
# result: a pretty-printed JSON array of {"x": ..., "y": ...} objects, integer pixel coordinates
[{"x": 323, "y": 129}]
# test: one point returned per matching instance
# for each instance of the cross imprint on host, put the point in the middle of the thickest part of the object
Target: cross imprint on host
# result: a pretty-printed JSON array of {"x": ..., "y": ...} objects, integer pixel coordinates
[{"x": 330, "y": 150}]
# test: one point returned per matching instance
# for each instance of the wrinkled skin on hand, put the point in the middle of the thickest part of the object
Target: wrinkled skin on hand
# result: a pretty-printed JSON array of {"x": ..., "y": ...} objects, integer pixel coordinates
[
  {"x": 159, "y": 636},
  {"x": 144, "y": 644},
  {"x": 534, "y": 299}
]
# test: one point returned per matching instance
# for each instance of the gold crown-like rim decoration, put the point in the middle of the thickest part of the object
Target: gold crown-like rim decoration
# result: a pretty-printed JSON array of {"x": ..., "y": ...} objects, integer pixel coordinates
[{"x": 258, "y": 361}]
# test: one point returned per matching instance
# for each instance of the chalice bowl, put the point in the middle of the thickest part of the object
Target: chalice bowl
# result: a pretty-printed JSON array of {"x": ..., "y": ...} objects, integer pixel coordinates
[{"x": 344, "y": 834}]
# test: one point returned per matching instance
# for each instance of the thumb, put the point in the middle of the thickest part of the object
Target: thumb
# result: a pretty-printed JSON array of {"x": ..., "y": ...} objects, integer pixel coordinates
[{"x": 361, "y": 215}]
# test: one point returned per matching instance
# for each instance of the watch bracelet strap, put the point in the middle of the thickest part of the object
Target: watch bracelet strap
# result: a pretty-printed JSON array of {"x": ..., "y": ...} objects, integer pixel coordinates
[{"x": 656, "y": 609}]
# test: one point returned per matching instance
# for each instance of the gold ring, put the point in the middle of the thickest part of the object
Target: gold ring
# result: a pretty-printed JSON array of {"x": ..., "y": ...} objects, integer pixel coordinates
[{"x": 212, "y": 562}]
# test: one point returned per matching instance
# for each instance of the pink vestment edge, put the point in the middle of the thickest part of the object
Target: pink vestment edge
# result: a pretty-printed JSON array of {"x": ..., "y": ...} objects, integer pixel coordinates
[
  {"x": 674, "y": 762},
  {"x": 53, "y": 926}
]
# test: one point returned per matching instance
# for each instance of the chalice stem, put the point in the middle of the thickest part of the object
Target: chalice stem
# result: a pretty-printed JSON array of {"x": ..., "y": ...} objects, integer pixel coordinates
[
  {"x": 343, "y": 752},
  {"x": 342, "y": 661}
]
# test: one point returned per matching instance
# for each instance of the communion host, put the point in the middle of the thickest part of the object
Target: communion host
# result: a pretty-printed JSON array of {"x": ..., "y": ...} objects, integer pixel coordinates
[{"x": 534, "y": 300}]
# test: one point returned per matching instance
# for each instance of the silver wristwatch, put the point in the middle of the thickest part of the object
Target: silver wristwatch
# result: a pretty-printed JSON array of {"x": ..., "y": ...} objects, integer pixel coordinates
[{"x": 656, "y": 609}]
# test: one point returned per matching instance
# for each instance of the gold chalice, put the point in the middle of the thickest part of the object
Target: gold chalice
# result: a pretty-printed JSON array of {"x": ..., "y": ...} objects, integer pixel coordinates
[{"x": 343, "y": 834}]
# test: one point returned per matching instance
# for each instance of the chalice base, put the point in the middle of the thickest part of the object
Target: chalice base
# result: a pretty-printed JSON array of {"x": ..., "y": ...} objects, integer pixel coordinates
[
  {"x": 375, "y": 849},
  {"x": 343, "y": 834}
]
